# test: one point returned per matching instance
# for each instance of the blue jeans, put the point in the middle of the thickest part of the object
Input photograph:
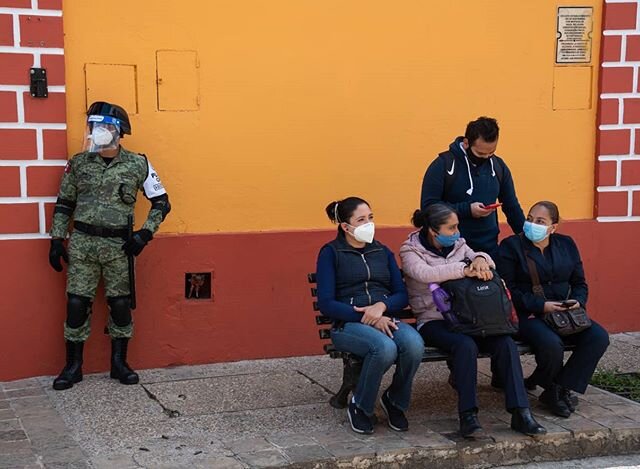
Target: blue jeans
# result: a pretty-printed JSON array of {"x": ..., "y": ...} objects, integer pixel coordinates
[
  {"x": 548, "y": 347},
  {"x": 379, "y": 352}
]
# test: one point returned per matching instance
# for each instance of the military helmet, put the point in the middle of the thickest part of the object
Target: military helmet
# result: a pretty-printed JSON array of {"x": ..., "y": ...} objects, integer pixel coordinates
[{"x": 101, "y": 108}]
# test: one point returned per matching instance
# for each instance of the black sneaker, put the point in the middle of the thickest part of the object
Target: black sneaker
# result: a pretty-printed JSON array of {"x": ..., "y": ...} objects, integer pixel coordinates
[
  {"x": 395, "y": 417},
  {"x": 360, "y": 422}
]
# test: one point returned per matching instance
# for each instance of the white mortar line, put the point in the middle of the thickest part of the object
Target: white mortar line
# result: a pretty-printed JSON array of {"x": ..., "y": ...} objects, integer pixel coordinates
[
  {"x": 623, "y": 50},
  {"x": 630, "y": 203},
  {"x": 27, "y": 89},
  {"x": 20, "y": 107},
  {"x": 36, "y": 60},
  {"x": 611, "y": 219},
  {"x": 620, "y": 112},
  {"x": 18, "y": 236},
  {"x": 618, "y": 188},
  {"x": 41, "y": 218},
  {"x": 23, "y": 181},
  {"x": 31, "y": 50},
  {"x": 620, "y": 126},
  {"x": 16, "y": 30},
  {"x": 618, "y": 158},
  {"x": 632, "y": 148},
  {"x": 26, "y": 200},
  {"x": 32, "y": 126},
  {"x": 30, "y": 11},
  {"x": 619, "y": 32},
  {"x": 40, "y": 144},
  {"x": 635, "y": 80},
  {"x": 618, "y": 173},
  {"x": 27, "y": 163}
]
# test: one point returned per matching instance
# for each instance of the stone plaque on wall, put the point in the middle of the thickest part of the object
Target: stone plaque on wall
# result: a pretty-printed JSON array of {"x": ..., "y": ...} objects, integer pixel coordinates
[{"x": 573, "y": 36}]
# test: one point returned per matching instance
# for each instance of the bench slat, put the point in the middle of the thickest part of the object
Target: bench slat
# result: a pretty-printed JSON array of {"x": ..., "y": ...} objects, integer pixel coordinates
[
  {"x": 324, "y": 333},
  {"x": 322, "y": 320}
]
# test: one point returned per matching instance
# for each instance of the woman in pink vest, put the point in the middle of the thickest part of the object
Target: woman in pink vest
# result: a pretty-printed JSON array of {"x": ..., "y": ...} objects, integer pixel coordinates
[{"x": 434, "y": 254}]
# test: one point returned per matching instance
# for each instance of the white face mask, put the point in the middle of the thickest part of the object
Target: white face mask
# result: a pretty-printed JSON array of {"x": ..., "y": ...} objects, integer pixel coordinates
[
  {"x": 101, "y": 136},
  {"x": 364, "y": 233}
]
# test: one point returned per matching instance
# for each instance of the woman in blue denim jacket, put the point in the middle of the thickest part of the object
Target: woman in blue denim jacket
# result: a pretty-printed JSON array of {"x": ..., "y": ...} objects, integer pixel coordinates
[{"x": 360, "y": 287}]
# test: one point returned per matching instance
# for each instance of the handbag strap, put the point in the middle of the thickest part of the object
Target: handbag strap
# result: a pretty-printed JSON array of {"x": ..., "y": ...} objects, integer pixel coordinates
[{"x": 533, "y": 271}]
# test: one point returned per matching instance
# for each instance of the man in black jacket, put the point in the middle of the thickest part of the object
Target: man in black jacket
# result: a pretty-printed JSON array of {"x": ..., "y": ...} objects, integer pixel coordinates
[{"x": 470, "y": 177}]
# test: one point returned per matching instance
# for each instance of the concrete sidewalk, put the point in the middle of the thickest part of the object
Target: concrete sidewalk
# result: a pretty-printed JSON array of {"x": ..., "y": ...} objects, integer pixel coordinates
[{"x": 275, "y": 413}]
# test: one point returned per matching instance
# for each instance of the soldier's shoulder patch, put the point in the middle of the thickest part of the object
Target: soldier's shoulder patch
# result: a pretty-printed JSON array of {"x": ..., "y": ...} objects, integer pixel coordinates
[{"x": 67, "y": 168}]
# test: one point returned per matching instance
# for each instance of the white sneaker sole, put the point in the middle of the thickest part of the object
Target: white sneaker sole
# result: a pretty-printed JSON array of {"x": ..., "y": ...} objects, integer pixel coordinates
[
  {"x": 386, "y": 412},
  {"x": 353, "y": 427}
]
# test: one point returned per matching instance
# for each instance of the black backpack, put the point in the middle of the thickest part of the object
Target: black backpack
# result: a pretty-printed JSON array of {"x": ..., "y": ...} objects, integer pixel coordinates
[{"x": 480, "y": 308}]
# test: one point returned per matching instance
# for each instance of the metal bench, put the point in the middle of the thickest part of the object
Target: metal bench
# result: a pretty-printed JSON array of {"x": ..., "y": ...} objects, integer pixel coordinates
[{"x": 352, "y": 364}]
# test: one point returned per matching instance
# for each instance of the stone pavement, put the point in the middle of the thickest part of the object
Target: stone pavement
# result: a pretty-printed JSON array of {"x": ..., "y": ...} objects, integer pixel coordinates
[{"x": 270, "y": 413}]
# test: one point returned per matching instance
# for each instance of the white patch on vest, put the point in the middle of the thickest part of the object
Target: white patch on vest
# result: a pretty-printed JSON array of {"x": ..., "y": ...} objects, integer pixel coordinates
[
  {"x": 152, "y": 185},
  {"x": 482, "y": 288}
]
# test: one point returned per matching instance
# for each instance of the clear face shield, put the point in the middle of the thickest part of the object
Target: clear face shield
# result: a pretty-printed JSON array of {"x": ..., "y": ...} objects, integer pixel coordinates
[{"x": 101, "y": 134}]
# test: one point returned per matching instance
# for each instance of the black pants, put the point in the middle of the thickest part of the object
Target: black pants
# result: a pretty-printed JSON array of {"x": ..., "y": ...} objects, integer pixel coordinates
[
  {"x": 548, "y": 347},
  {"x": 464, "y": 349}
]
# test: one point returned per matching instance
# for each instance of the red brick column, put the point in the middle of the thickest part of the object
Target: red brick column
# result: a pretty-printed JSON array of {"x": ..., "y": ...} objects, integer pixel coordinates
[
  {"x": 33, "y": 141},
  {"x": 618, "y": 166}
]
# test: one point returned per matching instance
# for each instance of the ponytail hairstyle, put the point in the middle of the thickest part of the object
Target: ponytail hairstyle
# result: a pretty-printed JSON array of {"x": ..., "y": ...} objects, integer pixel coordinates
[
  {"x": 434, "y": 216},
  {"x": 341, "y": 211}
]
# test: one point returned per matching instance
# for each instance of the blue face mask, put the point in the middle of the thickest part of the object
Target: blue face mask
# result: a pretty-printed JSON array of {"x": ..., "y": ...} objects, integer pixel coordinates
[
  {"x": 447, "y": 240},
  {"x": 535, "y": 232}
]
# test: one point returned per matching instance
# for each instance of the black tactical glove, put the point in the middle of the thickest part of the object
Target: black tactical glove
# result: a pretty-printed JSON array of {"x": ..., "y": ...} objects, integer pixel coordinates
[
  {"x": 56, "y": 251},
  {"x": 137, "y": 242}
]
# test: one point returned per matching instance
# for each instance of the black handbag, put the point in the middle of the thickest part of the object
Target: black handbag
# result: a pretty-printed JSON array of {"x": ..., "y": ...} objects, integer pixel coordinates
[{"x": 567, "y": 322}]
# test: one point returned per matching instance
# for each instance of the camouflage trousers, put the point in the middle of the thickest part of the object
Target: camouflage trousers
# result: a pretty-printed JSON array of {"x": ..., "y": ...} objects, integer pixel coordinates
[{"x": 92, "y": 258}]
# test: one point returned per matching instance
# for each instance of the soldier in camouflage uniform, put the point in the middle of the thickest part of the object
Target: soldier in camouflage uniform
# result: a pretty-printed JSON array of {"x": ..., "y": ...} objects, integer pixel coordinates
[{"x": 98, "y": 191}]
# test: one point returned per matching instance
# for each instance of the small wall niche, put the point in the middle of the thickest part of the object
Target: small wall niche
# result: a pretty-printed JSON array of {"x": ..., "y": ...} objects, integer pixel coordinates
[{"x": 197, "y": 286}]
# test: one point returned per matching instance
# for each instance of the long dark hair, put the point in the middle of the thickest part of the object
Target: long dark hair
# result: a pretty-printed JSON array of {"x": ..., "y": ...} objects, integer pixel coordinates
[
  {"x": 340, "y": 211},
  {"x": 434, "y": 216}
]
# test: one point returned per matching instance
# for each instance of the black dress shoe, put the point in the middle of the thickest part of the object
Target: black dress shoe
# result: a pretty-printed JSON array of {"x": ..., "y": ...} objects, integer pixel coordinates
[
  {"x": 569, "y": 398},
  {"x": 552, "y": 399},
  {"x": 469, "y": 425},
  {"x": 522, "y": 421}
]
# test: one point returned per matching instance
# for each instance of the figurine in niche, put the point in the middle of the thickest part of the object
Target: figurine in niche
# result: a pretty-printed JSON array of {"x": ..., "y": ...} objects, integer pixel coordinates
[{"x": 196, "y": 281}]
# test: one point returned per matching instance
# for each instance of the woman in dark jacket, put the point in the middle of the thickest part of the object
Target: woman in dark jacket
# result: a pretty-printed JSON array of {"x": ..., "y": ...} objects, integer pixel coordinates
[
  {"x": 360, "y": 286},
  {"x": 561, "y": 275}
]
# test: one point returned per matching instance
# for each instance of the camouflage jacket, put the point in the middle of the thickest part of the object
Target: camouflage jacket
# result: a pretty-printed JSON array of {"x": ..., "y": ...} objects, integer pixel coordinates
[{"x": 105, "y": 195}]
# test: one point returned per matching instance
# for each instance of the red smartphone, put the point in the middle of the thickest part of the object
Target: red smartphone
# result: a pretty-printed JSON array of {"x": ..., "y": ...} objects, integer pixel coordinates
[{"x": 492, "y": 206}]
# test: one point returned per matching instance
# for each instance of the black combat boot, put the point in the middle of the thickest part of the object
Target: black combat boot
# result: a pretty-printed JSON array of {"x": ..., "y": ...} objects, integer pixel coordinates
[
  {"x": 72, "y": 371},
  {"x": 120, "y": 370}
]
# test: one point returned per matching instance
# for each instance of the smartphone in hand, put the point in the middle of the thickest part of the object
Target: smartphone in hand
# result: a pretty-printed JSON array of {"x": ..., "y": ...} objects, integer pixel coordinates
[
  {"x": 569, "y": 303},
  {"x": 492, "y": 206}
]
